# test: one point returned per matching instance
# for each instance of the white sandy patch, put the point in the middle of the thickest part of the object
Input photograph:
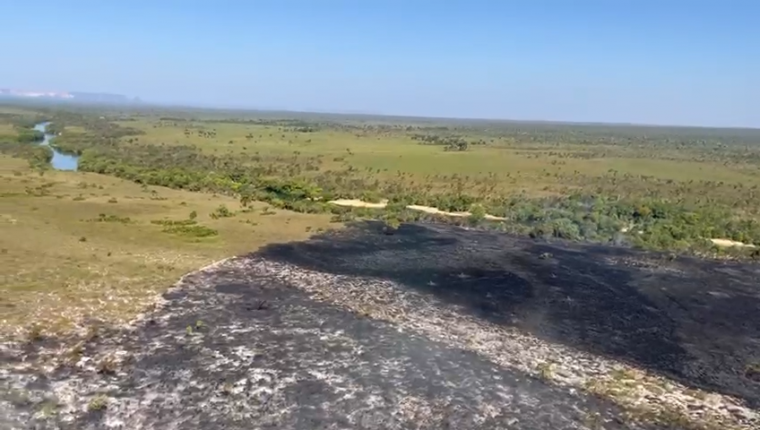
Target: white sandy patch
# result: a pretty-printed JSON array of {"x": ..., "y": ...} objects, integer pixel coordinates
[
  {"x": 729, "y": 243},
  {"x": 359, "y": 204},
  {"x": 426, "y": 209}
]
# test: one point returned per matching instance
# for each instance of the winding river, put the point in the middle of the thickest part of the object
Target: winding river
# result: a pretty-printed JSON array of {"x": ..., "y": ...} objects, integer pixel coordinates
[{"x": 60, "y": 161}]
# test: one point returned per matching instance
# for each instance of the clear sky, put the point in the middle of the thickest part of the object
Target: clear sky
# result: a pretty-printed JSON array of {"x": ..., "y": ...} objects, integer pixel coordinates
[{"x": 643, "y": 61}]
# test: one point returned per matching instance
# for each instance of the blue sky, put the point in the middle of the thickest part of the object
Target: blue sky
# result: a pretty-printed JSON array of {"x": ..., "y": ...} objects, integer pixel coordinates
[{"x": 644, "y": 61}]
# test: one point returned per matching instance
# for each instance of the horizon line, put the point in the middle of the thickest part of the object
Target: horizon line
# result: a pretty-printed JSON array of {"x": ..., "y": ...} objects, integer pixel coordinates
[
  {"x": 438, "y": 118},
  {"x": 135, "y": 101}
]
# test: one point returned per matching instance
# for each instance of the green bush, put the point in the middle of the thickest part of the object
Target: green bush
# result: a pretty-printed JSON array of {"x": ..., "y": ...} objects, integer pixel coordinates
[
  {"x": 169, "y": 222},
  {"x": 222, "y": 212},
  {"x": 195, "y": 231},
  {"x": 477, "y": 214}
]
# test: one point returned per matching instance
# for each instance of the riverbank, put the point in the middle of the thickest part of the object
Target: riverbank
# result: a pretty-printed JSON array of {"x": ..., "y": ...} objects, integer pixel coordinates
[{"x": 60, "y": 160}]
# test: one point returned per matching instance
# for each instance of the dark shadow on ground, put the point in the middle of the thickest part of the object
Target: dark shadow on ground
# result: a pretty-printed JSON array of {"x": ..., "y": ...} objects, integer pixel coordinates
[{"x": 696, "y": 321}]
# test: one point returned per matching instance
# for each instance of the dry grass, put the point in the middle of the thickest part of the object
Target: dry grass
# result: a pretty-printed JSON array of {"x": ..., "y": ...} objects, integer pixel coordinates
[
  {"x": 7, "y": 130},
  {"x": 58, "y": 265}
]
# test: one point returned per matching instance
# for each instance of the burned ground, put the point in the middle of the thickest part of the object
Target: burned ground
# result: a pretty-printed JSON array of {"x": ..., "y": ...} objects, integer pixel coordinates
[
  {"x": 694, "y": 320},
  {"x": 266, "y": 356},
  {"x": 432, "y": 327}
]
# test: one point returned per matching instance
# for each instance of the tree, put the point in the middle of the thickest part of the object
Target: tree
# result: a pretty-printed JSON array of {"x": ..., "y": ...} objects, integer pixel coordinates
[{"x": 477, "y": 214}]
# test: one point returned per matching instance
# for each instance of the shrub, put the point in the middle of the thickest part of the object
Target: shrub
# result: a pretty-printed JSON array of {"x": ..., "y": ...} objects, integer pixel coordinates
[
  {"x": 477, "y": 214},
  {"x": 196, "y": 231},
  {"x": 222, "y": 212},
  {"x": 169, "y": 222}
]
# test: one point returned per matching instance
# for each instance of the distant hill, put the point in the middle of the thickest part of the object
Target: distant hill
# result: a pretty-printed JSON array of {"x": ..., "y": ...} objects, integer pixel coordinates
[
  {"x": 101, "y": 97},
  {"x": 75, "y": 96}
]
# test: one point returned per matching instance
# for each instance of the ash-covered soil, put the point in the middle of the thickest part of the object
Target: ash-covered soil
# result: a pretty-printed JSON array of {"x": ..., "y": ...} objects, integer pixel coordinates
[
  {"x": 432, "y": 327},
  {"x": 691, "y": 319}
]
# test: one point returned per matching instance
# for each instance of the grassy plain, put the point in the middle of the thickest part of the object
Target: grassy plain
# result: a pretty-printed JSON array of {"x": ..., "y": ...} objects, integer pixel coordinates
[
  {"x": 398, "y": 152},
  {"x": 62, "y": 261},
  {"x": 6, "y": 130},
  {"x": 68, "y": 250}
]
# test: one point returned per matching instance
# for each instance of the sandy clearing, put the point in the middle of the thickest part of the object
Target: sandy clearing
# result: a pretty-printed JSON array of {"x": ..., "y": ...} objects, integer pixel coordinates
[
  {"x": 420, "y": 208},
  {"x": 359, "y": 203},
  {"x": 729, "y": 243}
]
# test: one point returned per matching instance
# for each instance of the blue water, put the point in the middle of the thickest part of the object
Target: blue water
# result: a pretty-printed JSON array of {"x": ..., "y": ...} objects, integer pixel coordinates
[{"x": 60, "y": 161}]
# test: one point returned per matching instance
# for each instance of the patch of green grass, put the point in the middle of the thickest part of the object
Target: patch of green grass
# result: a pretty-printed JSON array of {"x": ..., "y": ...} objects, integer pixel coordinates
[
  {"x": 192, "y": 231},
  {"x": 174, "y": 223},
  {"x": 98, "y": 403}
]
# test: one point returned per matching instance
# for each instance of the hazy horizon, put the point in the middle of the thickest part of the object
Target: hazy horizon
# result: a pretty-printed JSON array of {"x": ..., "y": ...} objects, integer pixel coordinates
[
  {"x": 592, "y": 61},
  {"x": 232, "y": 108}
]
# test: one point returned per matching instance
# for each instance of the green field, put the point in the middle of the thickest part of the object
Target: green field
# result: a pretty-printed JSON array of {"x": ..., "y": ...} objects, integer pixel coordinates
[
  {"x": 516, "y": 165},
  {"x": 96, "y": 243},
  {"x": 79, "y": 245}
]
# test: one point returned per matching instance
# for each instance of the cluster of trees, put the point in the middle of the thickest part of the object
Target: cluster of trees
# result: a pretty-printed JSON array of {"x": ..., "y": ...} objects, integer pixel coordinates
[
  {"x": 302, "y": 129},
  {"x": 21, "y": 121},
  {"x": 55, "y": 128},
  {"x": 23, "y": 143},
  {"x": 450, "y": 143},
  {"x": 26, "y": 135},
  {"x": 39, "y": 156},
  {"x": 98, "y": 132},
  {"x": 209, "y": 134}
]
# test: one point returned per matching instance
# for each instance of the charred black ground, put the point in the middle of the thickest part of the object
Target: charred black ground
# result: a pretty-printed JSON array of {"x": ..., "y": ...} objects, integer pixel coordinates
[
  {"x": 266, "y": 356},
  {"x": 694, "y": 320}
]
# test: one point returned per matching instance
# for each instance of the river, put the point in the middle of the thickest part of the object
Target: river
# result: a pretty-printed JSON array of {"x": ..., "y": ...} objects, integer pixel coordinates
[{"x": 60, "y": 161}]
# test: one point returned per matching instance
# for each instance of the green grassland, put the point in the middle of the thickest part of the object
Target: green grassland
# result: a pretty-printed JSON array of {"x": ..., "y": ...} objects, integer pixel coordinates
[
  {"x": 160, "y": 193},
  {"x": 505, "y": 165},
  {"x": 397, "y": 151},
  {"x": 75, "y": 245}
]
